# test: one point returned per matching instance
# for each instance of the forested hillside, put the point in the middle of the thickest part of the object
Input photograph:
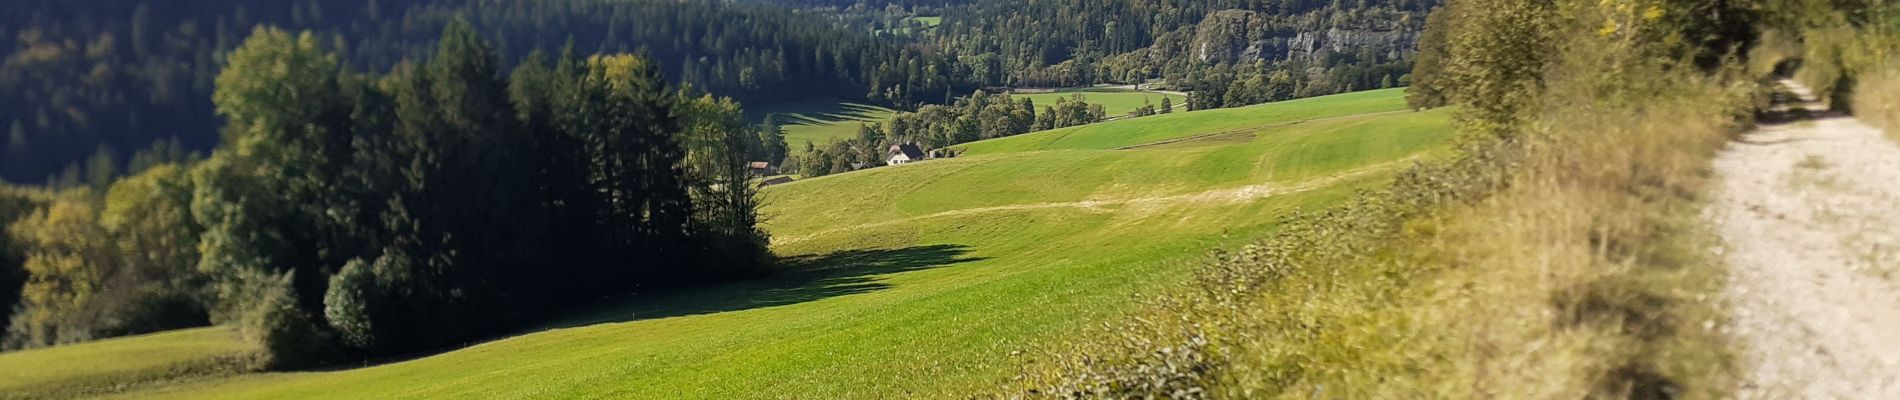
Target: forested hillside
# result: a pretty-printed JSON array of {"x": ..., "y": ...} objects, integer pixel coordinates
[
  {"x": 91, "y": 85},
  {"x": 113, "y": 77},
  {"x": 352, "y": 215},
  {"x": 1228, "y": 52},
  {"x": 1223, "y": 53}
]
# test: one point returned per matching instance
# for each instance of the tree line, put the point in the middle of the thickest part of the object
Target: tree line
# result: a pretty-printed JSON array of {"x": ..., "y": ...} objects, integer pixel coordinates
[
  {"x": 104, "y": 79},
  {"x": 1229, "y": 52},
  {"x": 935, "y": 128},
  {"x": 354, "y": 215}
]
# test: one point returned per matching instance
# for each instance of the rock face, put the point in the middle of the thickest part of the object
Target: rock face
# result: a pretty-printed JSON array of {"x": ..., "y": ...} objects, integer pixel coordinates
[
  {"x": 1227, "y": 36},
  {"x": 1309, "y": 45},
  {"x": 1240, "y": 36}
]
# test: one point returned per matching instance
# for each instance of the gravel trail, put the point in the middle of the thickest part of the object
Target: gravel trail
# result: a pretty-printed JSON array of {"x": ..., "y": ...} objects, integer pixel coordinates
[{"x": 1809, "y": 216}]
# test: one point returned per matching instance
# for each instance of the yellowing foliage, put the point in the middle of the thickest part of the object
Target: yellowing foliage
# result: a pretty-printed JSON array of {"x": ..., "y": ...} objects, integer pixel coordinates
[
  {"x": 617, "y": 70},
  {"x": 61, "y": 241}
]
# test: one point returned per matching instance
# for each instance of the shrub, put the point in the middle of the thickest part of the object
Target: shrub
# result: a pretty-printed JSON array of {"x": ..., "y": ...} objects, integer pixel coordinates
[
  {"x": 346, "y": 304},
  {"x": 285, "y": 337},
  {"x": 1877, "y": 101}
]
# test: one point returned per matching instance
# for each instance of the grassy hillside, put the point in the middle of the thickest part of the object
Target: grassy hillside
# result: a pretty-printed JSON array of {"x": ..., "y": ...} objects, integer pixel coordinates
[
  {"x": 71, "y": 370},
  {"x": 1229, "y": 121},
  {"x": 820, "y": 121},
  {"x": 923, "y": 280},
  {"x": 1116, "y": 102}
]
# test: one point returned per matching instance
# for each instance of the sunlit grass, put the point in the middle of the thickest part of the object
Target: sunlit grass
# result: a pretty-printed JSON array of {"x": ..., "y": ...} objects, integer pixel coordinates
[
  {"x": 820, "y": 121},
  {"x": 78, "y": 369},
  {"x": 1116, "y": 102},
  {"x": 1179, "y": 125},
  {"x": 920, "y": 280}
]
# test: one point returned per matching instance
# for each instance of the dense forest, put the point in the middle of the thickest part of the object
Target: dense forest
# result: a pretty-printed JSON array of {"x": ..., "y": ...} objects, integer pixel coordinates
[
  {"x": 97, "y": 77},
  {"x": 351, "y": 215},
  {"x": 1224, "y": 53},
  {"x": 1230, "y": 52},
  {"x": 91, "y": 85}
]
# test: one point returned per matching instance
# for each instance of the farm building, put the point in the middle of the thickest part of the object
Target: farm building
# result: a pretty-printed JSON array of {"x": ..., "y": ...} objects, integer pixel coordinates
[
  {"x": 904, "y": 154},
  {"x": 760, "y": 169}
]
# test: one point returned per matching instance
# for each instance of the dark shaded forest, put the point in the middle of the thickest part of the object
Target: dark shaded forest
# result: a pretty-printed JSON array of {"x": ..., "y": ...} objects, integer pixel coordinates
[
  {"x": 352, "y": 215},
  {"x": 117, "y": 78},
  {"x": 1227, "y": 52}
]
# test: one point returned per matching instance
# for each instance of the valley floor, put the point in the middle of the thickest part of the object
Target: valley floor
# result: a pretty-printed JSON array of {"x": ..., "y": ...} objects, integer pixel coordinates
[{"x": 1806, "y": 215}]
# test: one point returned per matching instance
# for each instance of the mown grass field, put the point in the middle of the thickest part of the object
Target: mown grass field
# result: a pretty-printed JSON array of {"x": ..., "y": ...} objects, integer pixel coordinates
[
  {"x": 75, "y": 370},
  {"x": 1116, "y": 102},
  {"x": 1175, "y": 126},
  {"x": 934, "y": 279},
  {"x": 820, "y": 121}
]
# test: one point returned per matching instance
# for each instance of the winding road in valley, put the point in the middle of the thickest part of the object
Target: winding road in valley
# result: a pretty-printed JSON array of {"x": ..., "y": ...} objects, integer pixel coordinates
[{"x": 1808, "y": 211}]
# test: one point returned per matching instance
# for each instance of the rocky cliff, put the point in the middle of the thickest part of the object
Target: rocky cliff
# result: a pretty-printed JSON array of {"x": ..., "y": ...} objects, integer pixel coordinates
[{"x": 1240, "y": 36}]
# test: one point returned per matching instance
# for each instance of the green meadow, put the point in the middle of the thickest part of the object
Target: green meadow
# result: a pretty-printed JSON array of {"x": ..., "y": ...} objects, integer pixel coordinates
[
  {"x": 935, "y": 279},
  {"x": 1230, "y": 122},
  {"x": 94, "y": 367},
  {"x": 1116, "y": 102},
  {"x": 819, "y": 122}
]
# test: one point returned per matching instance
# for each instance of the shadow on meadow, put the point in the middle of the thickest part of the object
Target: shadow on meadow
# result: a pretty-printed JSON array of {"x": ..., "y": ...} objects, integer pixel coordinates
[
  {"x": 829, "y": 113},
  {"x": 801, "y": 279}
]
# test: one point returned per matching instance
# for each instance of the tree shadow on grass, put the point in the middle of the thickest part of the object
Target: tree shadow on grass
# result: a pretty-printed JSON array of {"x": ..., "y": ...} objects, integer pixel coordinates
[
  {"x": 796, "y": 280},
  {"x": 829, "y": 114},
  {"x": 800, "y": 279}
]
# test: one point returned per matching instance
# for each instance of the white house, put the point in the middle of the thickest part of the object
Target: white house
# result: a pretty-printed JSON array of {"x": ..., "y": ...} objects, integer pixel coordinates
[{"x": 904, "y": 154}]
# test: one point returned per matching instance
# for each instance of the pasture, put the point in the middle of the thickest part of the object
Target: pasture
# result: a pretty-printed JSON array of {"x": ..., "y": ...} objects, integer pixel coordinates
[
  {"x": 935, "y": 279},
  {"x": 820, "y": 121},
  {"x": 1116, "y": 101}
]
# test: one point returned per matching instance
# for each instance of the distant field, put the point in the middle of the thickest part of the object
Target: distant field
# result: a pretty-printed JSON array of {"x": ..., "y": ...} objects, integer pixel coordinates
[
  {"x": 929, "y": 23},
  {"x": 820, "y": 121},
  {"x": 935, "y": 279},
  {"x": 1179, "y": 125},
  {"x": 1116, "y": 102}
]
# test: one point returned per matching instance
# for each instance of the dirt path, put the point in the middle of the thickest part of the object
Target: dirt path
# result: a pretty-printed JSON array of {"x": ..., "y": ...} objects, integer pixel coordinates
[{"x": 1809, "y": 216}]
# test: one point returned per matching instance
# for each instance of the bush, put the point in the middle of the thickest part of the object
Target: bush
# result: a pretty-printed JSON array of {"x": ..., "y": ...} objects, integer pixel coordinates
[
  {"x": 1851, "y": 57},
  {"x": 346, "y": 304},
  {"x": 1877, "y": 100},
  {"x": 285, "y": 337}
]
